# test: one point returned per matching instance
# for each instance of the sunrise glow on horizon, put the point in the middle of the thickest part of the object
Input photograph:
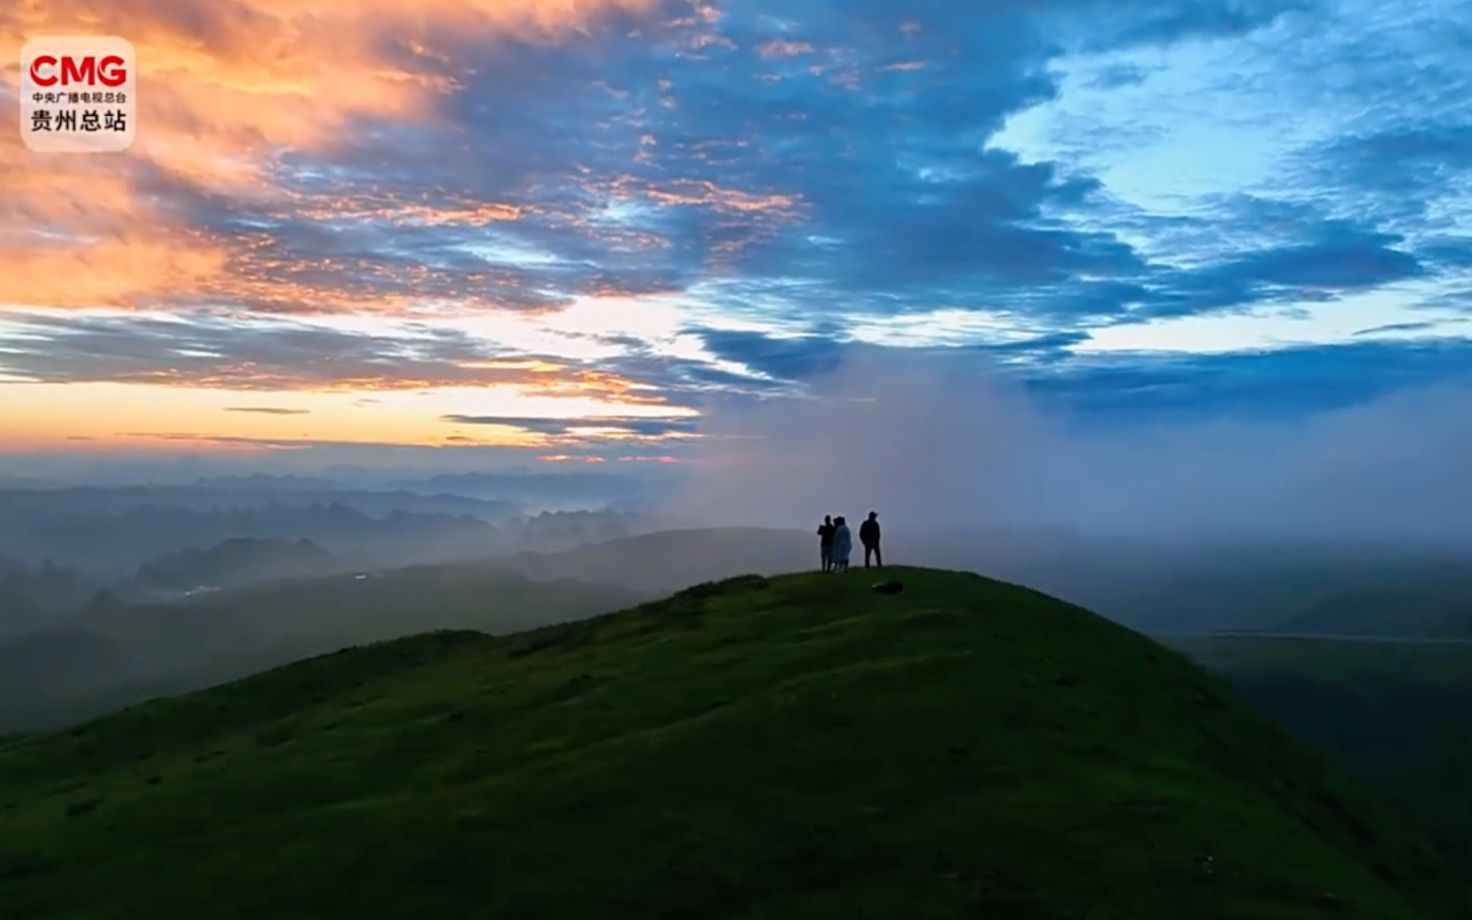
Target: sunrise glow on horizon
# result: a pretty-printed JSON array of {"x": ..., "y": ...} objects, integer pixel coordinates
[{"x": 562, "y": 231}]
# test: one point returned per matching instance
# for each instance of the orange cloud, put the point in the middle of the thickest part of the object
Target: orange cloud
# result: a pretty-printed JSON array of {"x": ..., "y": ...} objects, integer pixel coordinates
[
  {"x": 269, "y": 279},
  {"x": 50, "y": 191},
  {"x": 107, "y": 272},
  {"x": 703, "y": 193},
  {"x": 612, "y": 388},
  {"x": 223, "y": 89},
  {"x": 226, "y": 89}
]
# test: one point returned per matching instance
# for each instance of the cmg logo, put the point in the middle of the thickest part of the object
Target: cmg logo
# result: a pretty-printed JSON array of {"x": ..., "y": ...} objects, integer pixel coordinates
[
  {"x": 48, "y": 70},
  {"x": 78, "y": 94}
]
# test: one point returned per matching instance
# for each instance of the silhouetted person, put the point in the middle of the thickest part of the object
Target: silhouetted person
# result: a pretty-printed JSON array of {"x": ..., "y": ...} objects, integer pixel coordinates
[
  {"x": 826, "y": 532},
  {"x": 869, "y": 536},
  {"x": 843, "y": 545}
]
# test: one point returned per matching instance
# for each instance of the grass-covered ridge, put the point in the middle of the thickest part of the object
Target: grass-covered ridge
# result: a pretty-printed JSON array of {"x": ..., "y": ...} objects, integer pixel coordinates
[{"x": 794, "y": 747}]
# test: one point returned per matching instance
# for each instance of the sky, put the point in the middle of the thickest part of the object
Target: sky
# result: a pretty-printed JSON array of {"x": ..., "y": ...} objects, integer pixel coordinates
[{"x": 567, "y": 232}]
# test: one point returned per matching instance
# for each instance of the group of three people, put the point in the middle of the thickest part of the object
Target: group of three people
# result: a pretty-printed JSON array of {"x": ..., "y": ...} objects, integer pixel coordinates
[{"x": 836, "y": 543}]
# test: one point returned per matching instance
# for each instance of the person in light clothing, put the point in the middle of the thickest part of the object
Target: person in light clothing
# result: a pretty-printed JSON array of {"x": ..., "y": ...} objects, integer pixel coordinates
[{"x": 843, "y": 545}]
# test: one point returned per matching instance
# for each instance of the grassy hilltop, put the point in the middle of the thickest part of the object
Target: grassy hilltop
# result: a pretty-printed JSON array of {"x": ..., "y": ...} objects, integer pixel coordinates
[{"x": 785, "y": 748}]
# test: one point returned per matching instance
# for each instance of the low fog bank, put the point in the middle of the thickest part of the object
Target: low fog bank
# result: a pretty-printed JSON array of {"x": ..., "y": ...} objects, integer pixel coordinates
[{"x": 940, "y": 450}]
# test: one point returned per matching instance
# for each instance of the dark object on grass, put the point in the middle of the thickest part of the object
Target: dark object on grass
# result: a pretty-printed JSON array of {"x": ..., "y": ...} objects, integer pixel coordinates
[
  {"x": 85, "y": 807},
  {"x": 889, "y": 587}
]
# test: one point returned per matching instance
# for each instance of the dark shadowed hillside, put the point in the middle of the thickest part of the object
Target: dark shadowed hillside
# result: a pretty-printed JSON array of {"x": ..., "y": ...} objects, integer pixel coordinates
[
  {"x": 800, "y": 747},
  {"x": 43, "y": 673},
  {"x": 1397, "y": 715}
]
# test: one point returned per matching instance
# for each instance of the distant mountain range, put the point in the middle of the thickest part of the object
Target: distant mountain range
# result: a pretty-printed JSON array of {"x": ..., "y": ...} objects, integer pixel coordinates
[
  {"x": 155, "y": 633},
  {"x": 247, "y": 492},
  {"x": 236, "y": 563},
  {"x": 550, "y": 491},
  {"x": 80, "y": 527},
  {"x": 1429, "y": 602},
  {"x": 117, "y": 653}
]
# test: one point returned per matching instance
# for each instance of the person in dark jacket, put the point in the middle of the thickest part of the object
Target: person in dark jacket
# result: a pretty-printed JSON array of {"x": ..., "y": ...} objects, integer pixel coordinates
[
  {"x": 869, "y": 536},
  {"x": 826, "y": 531}
]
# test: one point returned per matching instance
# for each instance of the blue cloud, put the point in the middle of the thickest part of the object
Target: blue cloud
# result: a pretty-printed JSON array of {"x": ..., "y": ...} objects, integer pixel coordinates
[
  {"x": 797, "y": 358},
  {"x": 1118, "y": 76},
  {"x": 1397, "y": 327},
  {"x": 222, "y": 352},
  {"x": 682, "y": 154},
  {"x": 1163, "y": 24},
  {"x": 1345, "y": 258},
  {"x": 1051, "y": 348},
  {"x": 1338, "y": 257},
  {"x": 1286, "y": 382}
]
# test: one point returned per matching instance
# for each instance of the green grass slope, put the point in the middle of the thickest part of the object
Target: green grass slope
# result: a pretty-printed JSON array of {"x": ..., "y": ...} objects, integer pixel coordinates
[{"x": 800, "y": 747}]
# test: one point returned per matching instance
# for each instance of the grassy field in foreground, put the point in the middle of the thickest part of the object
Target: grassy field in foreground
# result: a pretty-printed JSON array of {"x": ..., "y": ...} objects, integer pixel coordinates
[
  {"x": 799, "y": 747},
  {"x": 1396, "y": 715}
]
